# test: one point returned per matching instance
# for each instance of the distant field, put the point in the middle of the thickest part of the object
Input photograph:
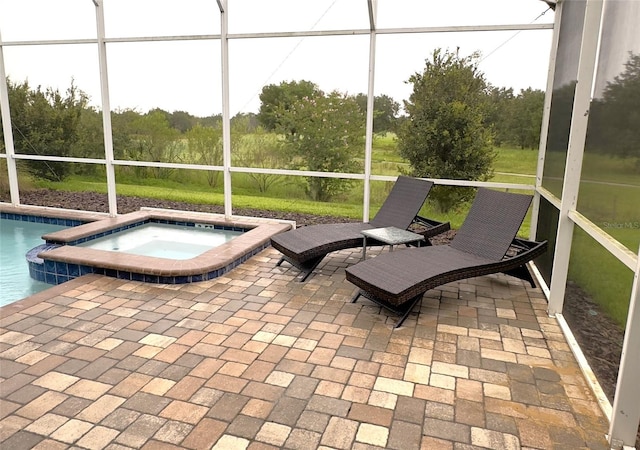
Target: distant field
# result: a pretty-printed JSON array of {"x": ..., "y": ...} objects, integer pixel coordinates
[{"x": 509, "y": 166}]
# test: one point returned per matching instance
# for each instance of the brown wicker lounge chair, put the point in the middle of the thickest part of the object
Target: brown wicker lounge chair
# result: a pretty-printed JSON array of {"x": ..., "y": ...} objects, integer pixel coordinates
[
  {"x": 485, "y": 243},
  {"x": 305, "y": 247}
]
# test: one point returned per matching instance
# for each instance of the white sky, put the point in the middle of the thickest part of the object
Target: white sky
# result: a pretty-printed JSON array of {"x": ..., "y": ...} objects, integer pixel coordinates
[{"x": 185, "y": 75}]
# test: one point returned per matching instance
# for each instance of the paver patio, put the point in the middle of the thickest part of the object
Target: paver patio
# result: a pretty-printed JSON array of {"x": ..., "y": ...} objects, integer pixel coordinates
[{"x": 257, "y": 360}]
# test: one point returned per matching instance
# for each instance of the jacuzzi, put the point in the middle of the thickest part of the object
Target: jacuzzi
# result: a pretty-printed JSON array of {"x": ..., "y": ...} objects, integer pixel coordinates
[{"x": 68, "y": 254}]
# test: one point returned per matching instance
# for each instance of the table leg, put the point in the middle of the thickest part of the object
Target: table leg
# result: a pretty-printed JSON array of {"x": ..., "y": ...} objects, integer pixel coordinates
[{"x": 364, "y": 248}]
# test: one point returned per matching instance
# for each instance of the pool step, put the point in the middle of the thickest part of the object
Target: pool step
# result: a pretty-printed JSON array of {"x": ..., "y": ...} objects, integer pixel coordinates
[{"x": 38, "y": 270}]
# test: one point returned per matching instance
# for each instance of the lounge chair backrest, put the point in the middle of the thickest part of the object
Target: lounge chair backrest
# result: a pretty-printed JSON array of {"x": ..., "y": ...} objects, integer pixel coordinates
[
  {"x": 492, "y": 223},
  {"x": 403, "y": 203}
]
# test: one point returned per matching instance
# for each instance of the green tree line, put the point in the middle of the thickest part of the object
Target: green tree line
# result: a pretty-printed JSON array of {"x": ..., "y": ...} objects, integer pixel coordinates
[{"x": 448, "y": 128}]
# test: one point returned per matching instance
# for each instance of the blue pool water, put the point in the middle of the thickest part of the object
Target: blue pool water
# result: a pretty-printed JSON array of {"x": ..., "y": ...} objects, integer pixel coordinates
[{"x": 16, "y": 239}]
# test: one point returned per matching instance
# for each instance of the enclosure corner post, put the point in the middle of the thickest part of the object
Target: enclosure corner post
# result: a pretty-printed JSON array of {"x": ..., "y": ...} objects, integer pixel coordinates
[
  {"x": 106, "y": 110},
  {"x": 625, "y": 417},
  {"x": 372, "y": 5},
  {"x": 575, "y": 153},
  {"x": 226, "y": 119},
  {"x": 8, "y": 133}
]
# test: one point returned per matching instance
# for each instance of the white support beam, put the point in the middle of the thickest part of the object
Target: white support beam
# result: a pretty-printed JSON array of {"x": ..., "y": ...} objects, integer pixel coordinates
[
  {"x": 106, "y": 110},
  {"x": 608, "y": 242},
  {"x": 372, "y": 8},
  {"x": 544, "y": 131},
  {"x": 626, "y": 403},
  {"x": 283, "y": 34},
  {"x": 12, "y": 171},
  {"x": 575, "y": 153},
  {"x": 368, "y": 145},
  {"x": 226, "y": 119},
  {"x": 421, "y": 30}
]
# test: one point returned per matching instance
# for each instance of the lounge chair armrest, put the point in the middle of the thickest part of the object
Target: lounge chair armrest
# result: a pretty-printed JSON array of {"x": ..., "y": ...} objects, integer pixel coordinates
[
  {"x": 431, "y": 227},
  {"x": 521, "y": 247}
]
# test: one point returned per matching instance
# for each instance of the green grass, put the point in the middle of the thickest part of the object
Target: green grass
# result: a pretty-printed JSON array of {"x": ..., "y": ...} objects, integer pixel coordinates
[
  {"x": 385, "y": 160},
  {"x": 604, "y": 168},
  {"x": 601, "y": 275},
  {"x": 509, "y": 160},
  {"x": 198, "y": 195},
  {"x": 518, "y": 161},
  {"x": 384, "y": 148}
]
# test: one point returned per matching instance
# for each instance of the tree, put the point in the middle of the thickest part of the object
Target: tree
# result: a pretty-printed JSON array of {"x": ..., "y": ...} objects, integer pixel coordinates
[
  {"x": 262, "y": 150},
  {"x": 122, "y": 121},
  {"x": 45, "y": 122},
  {"x": 244, "y": 122},
  {"x": 211, "y": 121},
  {"x": 323, "y": 133},
  {"x": 615, "y": 118},
  {"x": 90, "y": 142},
  {"x": 499, "y": 117},
  {"x": 560, "y": 120},
  {"x": 445, "y": 135},
  {"x": 526, "y": 118},
  {"x": 181, "y": 121},
  {"x": 154, "y": 140},
  {"x": 279, "y": 97},
  {"x": 204, "y": 145},
  {"x": 385, "y": 112}
]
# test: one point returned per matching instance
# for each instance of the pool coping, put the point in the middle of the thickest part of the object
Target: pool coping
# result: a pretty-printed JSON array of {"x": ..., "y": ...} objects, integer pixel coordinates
[
  {"x": 53, "y": 213},
  {"x": 220, "y": 258}
]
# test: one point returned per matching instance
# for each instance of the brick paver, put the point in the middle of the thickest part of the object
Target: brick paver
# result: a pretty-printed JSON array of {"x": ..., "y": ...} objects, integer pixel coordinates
[{"x": 256, "y": 360}]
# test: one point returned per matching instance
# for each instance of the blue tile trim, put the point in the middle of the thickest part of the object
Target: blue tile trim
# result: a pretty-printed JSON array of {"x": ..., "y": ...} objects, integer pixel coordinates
[
  {"x": 41, "y": 219},
  {"x": 56, "y": 272}
]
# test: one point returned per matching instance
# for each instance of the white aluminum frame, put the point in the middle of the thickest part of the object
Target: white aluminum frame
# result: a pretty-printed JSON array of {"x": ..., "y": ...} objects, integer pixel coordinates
[
  {"x": 372, "y": 7},
  {"x": 626, "y": 414},
  {"x": 544, "y": 129},
  {"x": 227, "y": 168},
  {"x": 626, "y": 404},
  {"x": 7, "y": 130},
  {"x": 106, "y": 109},
  {"x": 575, "y": 153},
  {"x": 226, "y": 116}
]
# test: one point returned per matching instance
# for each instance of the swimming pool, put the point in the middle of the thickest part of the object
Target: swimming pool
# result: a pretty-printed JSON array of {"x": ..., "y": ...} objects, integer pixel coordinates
[{"x": 17, "y": 237}]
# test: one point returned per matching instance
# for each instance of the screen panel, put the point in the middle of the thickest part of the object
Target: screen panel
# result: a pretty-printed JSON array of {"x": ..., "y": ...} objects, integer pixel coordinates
[{"x": 610, "y": 182}]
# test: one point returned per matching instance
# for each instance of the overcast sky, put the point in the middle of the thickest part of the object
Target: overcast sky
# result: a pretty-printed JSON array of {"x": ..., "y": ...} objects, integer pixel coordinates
[{"x": 185, "y": 75}]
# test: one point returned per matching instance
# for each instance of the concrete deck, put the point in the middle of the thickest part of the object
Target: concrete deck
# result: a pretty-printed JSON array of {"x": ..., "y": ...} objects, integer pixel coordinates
[{"x": 255, "y": 360}]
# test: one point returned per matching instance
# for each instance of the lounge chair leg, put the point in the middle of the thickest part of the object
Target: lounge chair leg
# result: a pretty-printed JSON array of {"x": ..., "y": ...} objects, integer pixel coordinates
[
  {"x": 304, "y": 275},
  {"x": 306, "y": 268},
  {"x": 523, "y": 273},
  {"x": 416, "y": 299},
  {"x": 404, "y": 310}
]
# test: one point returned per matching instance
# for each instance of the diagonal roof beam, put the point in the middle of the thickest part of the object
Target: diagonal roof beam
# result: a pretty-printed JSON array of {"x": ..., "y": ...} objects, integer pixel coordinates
[{"x": 372, "y": 7}]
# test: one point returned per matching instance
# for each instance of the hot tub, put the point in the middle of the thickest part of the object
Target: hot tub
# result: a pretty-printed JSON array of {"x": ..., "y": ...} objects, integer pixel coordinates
[{"x": 67, "y": 254}]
